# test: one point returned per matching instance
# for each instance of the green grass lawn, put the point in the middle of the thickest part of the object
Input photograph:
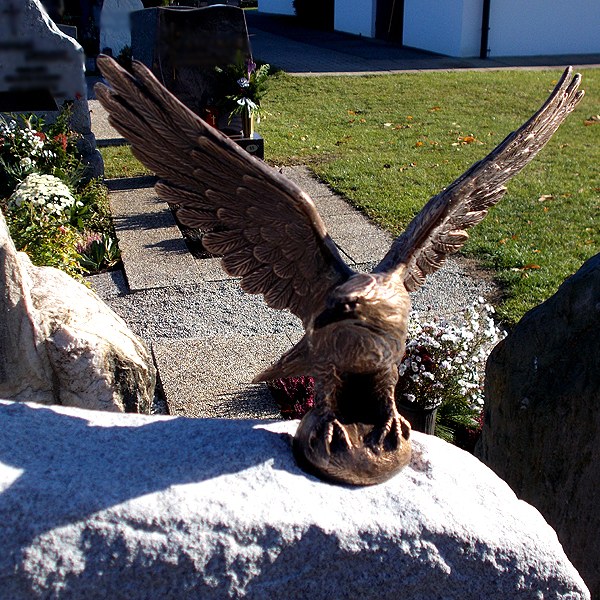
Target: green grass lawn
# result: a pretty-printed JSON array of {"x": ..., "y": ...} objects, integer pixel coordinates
[{"x": 390, "y": 142}]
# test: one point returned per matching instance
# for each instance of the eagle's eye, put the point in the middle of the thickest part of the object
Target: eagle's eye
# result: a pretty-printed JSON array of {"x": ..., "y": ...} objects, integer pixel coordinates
[{"x": 349, "y": 306}]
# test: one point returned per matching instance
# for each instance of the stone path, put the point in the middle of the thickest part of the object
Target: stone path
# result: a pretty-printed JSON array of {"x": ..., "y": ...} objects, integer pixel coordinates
[{"x": 204, "y": 376}]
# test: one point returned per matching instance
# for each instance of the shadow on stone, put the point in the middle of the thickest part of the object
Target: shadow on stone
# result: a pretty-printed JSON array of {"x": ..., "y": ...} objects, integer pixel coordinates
[{"x": 70, "y": 485}]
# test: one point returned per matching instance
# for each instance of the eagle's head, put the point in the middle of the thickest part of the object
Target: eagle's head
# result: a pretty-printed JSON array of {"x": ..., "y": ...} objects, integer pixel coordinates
[{"x": 367, "y": 299}]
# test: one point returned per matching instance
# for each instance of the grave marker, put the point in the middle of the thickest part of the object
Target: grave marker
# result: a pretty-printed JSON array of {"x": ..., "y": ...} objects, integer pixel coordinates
[
  {"x": 41, "y": 69},
  {"x": 183, "y": 45},
  {"x": 115, "y": 27}
]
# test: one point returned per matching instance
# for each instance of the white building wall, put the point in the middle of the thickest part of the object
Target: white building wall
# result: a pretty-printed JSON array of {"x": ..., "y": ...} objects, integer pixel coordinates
[
  {"x": 451, "y": 27},
  {"x": 355, "y": 16},
  {"x": 276, "y": 7},
  {"x": 534, "y": 27}
]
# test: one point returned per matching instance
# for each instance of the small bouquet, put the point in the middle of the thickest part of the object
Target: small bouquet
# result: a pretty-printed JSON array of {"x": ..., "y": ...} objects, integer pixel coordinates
[
  {"x": 242, "y": 87},
  {"x": 46, "y": 193}
]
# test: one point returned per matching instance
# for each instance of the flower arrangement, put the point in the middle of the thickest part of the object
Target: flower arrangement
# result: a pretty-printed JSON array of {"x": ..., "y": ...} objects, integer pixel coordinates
[
  {"x": 28, "y": 145},
  {"x": 444, "y": 366},
  {"x": 46, "y": 192},
  {"x": 49, "y": 206},
  {"x": 242, "y": 87}
]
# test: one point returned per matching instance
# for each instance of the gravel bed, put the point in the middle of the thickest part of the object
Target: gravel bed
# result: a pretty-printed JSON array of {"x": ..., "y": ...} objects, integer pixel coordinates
[{"x": 222, "y": 309}]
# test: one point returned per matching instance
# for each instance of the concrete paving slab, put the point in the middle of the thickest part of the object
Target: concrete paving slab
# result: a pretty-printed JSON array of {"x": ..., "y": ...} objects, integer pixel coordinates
[
  {"x": 334, "y": 205},
  {"x": 210, "y": 378},
  {"x": 153, "y": 251},
  {"x": 106, "y": 134},
  {"x": 326, "y": 200},
  {"x": 358, "y": 238},
  {"x": 304, "y": 178}
]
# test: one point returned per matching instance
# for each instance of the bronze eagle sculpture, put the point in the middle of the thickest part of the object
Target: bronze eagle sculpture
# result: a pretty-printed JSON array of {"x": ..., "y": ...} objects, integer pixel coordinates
[{"x": 270, "y": 235}]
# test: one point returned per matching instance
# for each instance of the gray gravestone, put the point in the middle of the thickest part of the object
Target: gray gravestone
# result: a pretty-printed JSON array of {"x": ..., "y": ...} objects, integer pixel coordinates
[
  {"x": 183, "y": 45},
  {"x": 41, "y": 69},
  {"x": 115, "y": 29}
]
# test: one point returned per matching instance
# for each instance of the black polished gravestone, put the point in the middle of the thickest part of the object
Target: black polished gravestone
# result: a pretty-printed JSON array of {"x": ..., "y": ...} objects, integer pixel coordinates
[{"x": 183, "y": 46}]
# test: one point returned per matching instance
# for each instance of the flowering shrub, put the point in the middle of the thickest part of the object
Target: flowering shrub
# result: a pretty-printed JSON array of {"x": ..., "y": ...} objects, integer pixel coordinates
[
  {"x": 38, "y": 214},
  {"x": 97, "y": 251},
  {"x": 47, "y": 202},
  {"x": 28, "y": 145},
  {"x": 46, "y": 192},
  {"x": 444, "y": 366}
]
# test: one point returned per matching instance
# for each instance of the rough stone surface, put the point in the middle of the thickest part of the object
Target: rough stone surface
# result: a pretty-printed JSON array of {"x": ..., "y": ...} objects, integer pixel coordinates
[
  {"x": 542, "y": 415},
  {"x": 41, "y": 68},
  {"x": 220, "y": 510},
  {"x": 115, "y": 27},
  {"x": 60, "y": 344}
]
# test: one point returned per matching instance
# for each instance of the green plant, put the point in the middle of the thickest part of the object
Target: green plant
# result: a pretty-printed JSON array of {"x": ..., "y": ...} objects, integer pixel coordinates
[
  {"x": 45, "y": 198},
  {"x": 242, "y": 86},
  {"x": 444, "y": 366},
  {"x": 97, "y": 252},
  {"x": 37, "y": 214},
  {"x": 92, "y": 211},
  {"x": 29, "y": 145}
]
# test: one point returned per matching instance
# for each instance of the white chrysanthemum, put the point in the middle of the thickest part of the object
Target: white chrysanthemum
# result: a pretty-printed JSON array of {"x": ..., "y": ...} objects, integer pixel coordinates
[{"x": 46, "y": 191}]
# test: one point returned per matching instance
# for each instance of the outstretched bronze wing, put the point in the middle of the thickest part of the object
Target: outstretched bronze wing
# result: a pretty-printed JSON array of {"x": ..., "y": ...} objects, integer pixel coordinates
[
  {"x": 439, "y": 228},
  {"x": 265, "y": 227}
]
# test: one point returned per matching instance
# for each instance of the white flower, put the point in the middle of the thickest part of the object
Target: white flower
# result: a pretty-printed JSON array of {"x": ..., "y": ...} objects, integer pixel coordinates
[
  {"x": 45, "y": 191},
  {"x": 449, "y": 337},
  {"x": 444, "y": 358}
]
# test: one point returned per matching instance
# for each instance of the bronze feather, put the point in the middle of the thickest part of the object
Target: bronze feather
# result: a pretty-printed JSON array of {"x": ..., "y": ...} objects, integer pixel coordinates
[{"x": 272, "y": 237}]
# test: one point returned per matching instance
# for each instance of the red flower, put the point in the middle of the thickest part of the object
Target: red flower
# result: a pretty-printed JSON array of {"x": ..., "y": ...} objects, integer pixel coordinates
[
  {"x": 61, "y": 138},
  {"x": 41, "y": 135}
]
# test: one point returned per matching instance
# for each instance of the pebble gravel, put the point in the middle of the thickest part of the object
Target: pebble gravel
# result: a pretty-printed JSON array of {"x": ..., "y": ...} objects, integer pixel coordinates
[{"x": 221, "y": 308}]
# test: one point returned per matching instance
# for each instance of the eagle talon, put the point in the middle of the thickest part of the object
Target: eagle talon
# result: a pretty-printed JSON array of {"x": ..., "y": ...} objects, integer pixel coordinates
[
  {"x": 336, "y": 435},
  {"x": 388, "y": 437}
]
